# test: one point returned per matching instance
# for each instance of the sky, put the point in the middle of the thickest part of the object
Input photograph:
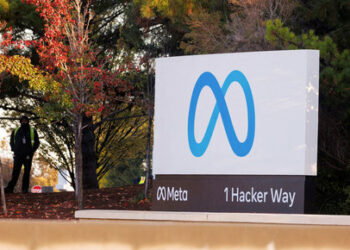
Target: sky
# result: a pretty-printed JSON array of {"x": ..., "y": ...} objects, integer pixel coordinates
[
  {"x": 4, "y": 137},
  {"x": 3, "y": 133}
]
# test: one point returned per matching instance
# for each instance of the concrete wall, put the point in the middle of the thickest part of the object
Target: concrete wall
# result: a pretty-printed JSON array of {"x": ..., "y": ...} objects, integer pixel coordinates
[{"x": 127, "y": 234}]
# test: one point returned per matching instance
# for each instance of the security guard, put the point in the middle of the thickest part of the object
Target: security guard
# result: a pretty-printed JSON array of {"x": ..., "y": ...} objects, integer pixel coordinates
[{"x": 24, "y": 142}]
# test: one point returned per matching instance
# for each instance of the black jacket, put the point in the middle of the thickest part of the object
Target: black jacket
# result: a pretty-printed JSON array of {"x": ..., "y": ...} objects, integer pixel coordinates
[{"x": 21, "y": 143}]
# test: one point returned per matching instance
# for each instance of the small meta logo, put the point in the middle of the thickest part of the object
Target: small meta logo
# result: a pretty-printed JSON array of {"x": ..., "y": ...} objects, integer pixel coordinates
[
  {"x": 171, "y": 194},
  {"x": 208, "y": 79}
]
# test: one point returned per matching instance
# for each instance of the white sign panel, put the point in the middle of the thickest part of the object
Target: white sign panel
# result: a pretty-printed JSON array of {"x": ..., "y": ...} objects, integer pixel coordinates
[{"x": 250, "y": 113}]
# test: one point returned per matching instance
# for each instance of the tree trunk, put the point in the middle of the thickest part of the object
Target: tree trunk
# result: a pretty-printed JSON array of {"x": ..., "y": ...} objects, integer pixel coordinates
[
  {"x": 89, "y": 155},
  {"x": 78, "y": 161}
]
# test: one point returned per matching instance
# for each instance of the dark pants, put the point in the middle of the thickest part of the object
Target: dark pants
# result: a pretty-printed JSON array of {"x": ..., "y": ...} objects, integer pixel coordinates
[{"x": 20, "y": 160}]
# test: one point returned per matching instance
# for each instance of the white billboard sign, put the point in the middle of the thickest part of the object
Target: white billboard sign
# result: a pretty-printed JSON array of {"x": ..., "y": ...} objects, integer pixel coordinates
[{"x": 252, "y": 113}]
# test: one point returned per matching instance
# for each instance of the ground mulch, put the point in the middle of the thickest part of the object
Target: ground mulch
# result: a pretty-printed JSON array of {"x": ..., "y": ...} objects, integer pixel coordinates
[{"x": 62, "y": 205}]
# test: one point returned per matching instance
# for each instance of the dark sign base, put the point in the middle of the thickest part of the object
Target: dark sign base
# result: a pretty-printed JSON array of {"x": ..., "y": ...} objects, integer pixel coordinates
[{"x": 244, "y": 193}]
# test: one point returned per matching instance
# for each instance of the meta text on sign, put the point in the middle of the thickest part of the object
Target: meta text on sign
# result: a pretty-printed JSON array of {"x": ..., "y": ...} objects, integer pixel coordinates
[{"x": 171, "y": 194}]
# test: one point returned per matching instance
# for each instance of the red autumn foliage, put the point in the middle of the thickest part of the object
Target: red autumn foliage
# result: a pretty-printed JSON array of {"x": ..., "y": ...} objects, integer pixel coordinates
[{"x": 68, "y": 57}]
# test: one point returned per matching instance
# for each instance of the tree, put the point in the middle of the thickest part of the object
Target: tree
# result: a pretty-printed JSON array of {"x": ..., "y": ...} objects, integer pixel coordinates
[
  {"x": 244, "y": 30},
  {"x": 56, "y": 130},
  {"x": 167, "y": 22},
  {"x": 85, "y": 86},
  {"x": 20, "y": 16},
  {"x": 327, "y": 17},
  {"x": 125, "y": 173},
  {"x": 89, "y": 86},
  {"x": 119, "y": 140}
]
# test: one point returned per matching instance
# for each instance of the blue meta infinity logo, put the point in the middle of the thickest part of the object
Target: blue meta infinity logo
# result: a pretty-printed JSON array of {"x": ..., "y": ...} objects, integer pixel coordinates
[{"x": 208, "y": 79}]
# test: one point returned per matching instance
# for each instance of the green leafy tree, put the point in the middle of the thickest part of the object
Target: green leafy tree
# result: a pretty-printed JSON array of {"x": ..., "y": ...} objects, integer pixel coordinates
[
  {"x": 20, "y": 16},
  {"x": 120, "y": 139},
  {"x": 244, "y": 30},
  {"x": 125, "y": 173},
  {"x": 327, "y": 17}
]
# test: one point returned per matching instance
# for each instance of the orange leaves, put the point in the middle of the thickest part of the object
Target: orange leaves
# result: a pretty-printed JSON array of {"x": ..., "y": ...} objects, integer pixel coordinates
[
  {"x": 21, "y": 67},
  {"x": 173, "y": 9},
  {"x": 57, "y": 15}
]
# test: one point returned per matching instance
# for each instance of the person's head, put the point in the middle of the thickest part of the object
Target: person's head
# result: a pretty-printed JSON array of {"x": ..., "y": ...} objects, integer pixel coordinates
[{"x": 24, "y": 121}]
